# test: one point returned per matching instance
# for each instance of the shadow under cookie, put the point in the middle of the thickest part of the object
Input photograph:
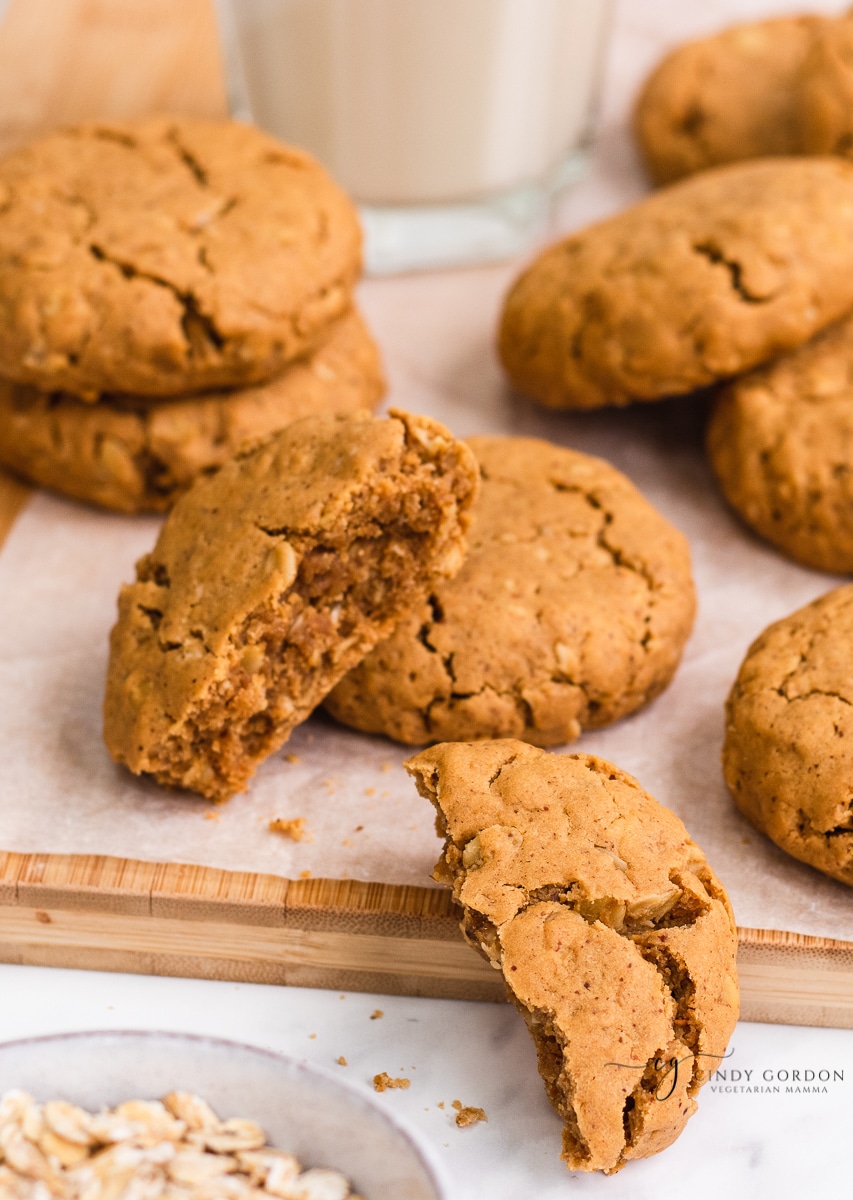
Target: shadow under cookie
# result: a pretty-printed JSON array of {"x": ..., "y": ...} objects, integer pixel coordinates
[{"x": 136, "y": 454}]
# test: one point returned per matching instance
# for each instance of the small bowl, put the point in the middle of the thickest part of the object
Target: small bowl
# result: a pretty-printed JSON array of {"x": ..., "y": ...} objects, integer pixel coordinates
[{"x": 302, "y": 1109}]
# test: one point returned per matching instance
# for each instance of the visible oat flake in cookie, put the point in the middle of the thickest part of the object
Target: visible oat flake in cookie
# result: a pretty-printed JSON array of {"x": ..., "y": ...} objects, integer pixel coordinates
[
  {"x": 788, "y": 753},
  {"x": 697, "y": 283},
  {"x": 167, "y": 255},
  {"x": 570, "y": 611},
  {"x": 613, "y": 935},
  {"x": 269, "y": 581}
]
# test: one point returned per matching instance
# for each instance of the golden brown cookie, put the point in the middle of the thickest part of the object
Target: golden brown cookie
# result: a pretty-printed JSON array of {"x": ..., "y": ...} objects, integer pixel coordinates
[
  {"x": 614, "y": 937},
  {"x": 570, "y": 611},
  {"x": 139, "y": 453},
  {"x": 780, "y": 440},
  {"x": 269, "y": 581},
  {"x": 788, "y": 753},
  {"x": 165, "y": 256},
  {"x": 697, "y": 283},
  {"x": 725, "y": 98},
  {"x": 825, "y": 91}
]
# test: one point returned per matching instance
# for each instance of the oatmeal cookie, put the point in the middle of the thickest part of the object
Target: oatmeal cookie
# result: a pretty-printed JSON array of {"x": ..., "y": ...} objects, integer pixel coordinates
[
  {"x": 614, "y": 937},
  {"x": 136, "y": 453},
  {"x": 570, "y": 611},
  {"x": 788, "y": 753},
  {"x": 699, "y": 282},
  {"x": 269, "y": 581},
  {"x": 165, "y": 256},
  {"x": 725, "y": 98},
  {"x": 825, "y": 91},
  {"x": 780, "y": 440}
]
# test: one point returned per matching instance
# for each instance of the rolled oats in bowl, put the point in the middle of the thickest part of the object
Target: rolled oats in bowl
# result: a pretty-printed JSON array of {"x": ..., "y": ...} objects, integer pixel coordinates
[
  {"x": 176, "y": 1148},
  {"x": 213, "y": 1120}
]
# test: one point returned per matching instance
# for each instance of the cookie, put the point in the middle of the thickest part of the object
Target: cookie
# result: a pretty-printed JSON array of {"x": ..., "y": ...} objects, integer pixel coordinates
[
  {"x": 725, "y": 98},
  {"x": 825, "y": 91},
  {"x": 780, "y": 441},
  {"x": 138, "y": 453},
  {"x": 788, "y": 752},
  {"x": 613, "y": 935},
  {"x": 697, "y": 283},
  {"x": 165, "y": 256},
  {"x": 269, "y": 581},
  {"x": 570, "y": 611}
]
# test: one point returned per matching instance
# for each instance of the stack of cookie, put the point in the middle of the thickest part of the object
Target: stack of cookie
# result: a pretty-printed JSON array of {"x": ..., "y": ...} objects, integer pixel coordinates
[
  {"x": 738, "y": 275},
  {"x": 169, "y": 289},
  {"x": 780, "y": 440}
]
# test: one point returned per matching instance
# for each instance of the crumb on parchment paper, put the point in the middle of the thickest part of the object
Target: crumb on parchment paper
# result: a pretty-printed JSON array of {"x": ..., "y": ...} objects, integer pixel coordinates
[
  {"x": 291, "y": 827},
  {"x": 292, "y": 758},
  {"x": 304, "y": 874},
  {"x": 341, "y": 1061},
  {"x": 376, "y": 1014},
  {"x": 467, "y": 1114}
]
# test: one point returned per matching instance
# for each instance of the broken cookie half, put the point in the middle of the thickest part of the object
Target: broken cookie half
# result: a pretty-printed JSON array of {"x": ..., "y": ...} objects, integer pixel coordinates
[
  {"x": 615, "y": 939},
  {"x": 269, "y": 581}
]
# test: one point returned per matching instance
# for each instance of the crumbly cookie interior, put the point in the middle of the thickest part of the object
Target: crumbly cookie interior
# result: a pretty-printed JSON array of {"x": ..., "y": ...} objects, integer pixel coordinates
[
  {"x": 623, "y": 968},
  {"x": 286, "y": 654}
]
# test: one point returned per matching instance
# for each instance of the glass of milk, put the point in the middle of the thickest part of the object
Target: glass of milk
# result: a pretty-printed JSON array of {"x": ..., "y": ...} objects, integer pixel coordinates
[{"x": 452, "y": 123}]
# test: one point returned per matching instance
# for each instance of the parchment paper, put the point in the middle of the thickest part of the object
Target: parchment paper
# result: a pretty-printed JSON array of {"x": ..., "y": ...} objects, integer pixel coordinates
[{"x": 62, "y": 565}]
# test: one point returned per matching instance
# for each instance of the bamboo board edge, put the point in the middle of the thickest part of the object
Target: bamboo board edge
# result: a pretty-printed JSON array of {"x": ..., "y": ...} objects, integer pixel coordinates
[{"x": 102, "y": 913}]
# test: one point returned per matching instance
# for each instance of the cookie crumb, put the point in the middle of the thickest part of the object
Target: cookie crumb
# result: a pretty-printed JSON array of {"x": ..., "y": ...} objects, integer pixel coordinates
[
  {"x": 370, "y": 791},
  {"x": 312, "y": 1036},
  {"x": 383, "y": 1081},
  {"x": 293, "y": 828},
  {"x": 359, "y": 828},
  {"x": 341, "y": 1061},
  {"x": 468, "y": 1114},
  {"x": 376, "y": 1014},
  {"x": 292, "y": 758},
  {"x": 386, "y": 766},
  {"x": 441, "y": 1104},
  {"x": 304, "y": 874},
  {"x": 212, "y": 816}
]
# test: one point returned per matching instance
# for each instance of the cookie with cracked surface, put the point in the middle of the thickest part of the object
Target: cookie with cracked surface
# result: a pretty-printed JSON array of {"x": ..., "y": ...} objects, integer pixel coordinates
[
  {"x": 269, "y": 581},
  {"x": 165, "y": 256},
  {"x": 570, "y": 611},
  {"x": 725, "y": 98},
  {"x": 613, "y": 935},
  {"x": 788, "y": 752},
  {"x": 780, "y": 441},
  {"x": 139, "y": 454},
  {"x": 699, "y": 282}
]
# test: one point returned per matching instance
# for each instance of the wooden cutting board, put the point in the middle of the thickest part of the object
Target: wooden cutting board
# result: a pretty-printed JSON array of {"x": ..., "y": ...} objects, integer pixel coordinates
[{"x": 68, "y": 60}]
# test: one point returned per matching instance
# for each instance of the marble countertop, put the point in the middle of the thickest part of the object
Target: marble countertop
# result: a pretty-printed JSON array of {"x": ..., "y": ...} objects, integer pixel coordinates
[{"x": 742, "y": 1143}]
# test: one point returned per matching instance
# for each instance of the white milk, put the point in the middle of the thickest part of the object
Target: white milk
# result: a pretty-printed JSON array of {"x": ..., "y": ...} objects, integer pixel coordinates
[{"x": 424, "y": 101}]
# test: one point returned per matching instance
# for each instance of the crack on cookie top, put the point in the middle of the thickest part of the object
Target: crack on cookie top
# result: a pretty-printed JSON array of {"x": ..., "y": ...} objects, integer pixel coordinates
[{"x": 718, "y": 257}]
